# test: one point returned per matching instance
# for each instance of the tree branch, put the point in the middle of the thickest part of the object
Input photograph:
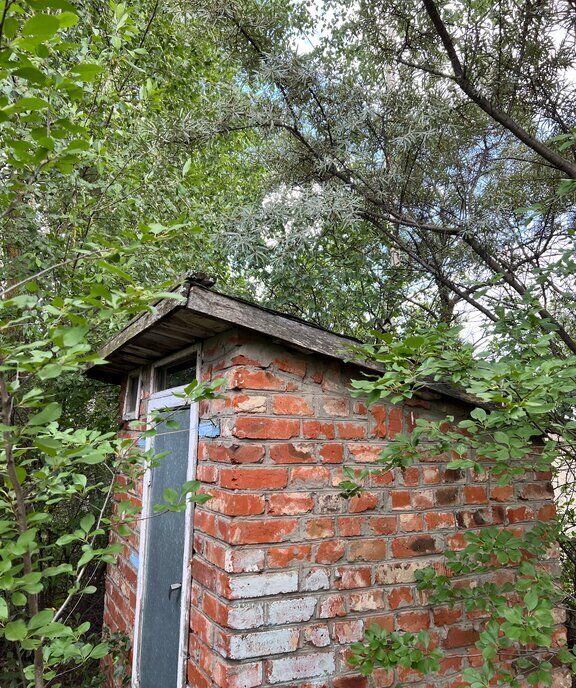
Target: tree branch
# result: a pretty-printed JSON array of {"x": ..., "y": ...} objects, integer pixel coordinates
[{"x": 461, "y": 78}]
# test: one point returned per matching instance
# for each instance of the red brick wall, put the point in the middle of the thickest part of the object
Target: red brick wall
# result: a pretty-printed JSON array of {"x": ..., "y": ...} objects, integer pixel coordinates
[{"x": 286, "y": 572}]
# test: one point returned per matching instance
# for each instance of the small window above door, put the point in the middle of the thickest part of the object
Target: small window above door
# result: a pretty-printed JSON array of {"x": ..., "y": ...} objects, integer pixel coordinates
[
  {"x": 132, "y": 397},
  {"x": 177, "y": 374}
]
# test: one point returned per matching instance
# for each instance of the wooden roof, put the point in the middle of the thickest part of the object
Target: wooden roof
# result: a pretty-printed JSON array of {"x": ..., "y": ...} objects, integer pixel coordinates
[{"x": 202, "y": 313}]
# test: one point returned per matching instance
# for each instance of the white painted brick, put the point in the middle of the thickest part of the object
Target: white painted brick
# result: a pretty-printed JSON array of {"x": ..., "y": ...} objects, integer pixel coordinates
[
  {"x": 244, "y": 561},
  {"x": 265, "y": 584},
  {"x": 291, "y": 611},
  {"x": 263, "y": 644},
  {"x": 305, "y": 666},
  {"x": 246, "y": 616},
  {"x": 316, "y": 579}
]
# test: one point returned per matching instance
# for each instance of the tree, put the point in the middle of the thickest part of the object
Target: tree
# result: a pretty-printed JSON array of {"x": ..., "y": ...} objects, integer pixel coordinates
[
  {"x": 362, "y": 135},
  {"x": 78, "y": 117}
]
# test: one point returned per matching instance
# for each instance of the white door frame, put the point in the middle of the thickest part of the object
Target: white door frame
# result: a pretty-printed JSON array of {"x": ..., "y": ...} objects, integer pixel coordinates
[{"x": 160, "y": 400}]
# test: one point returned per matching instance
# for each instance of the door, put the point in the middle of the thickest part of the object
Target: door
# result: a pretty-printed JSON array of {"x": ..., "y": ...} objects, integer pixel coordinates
[{"x": 165, "y": 549}]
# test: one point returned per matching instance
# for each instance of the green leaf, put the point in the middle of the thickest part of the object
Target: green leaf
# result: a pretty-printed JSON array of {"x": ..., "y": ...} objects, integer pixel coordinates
[
  {"x": 531, "y": 600},
  {"x": 3, "y": 609},
  {"x": 99, "y": 651},
  {"x": 41, "y": 25},
  {"x": 28, "y": 104},
  {"x": 87, "y": 522},
  {"x": 41, "y": 619},
  {"x": 31, "y": 74},
  {"x": 67, "y": 19},
  {"x": 50, "y": 371},
  {"x": 52, "y": 412},
  {"x": 15, "y": 630},
  {"x": 86, "y": 71}
]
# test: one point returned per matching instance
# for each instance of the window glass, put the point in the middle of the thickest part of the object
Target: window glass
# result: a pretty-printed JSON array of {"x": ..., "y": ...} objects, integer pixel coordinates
[
  {"x": 132, "y": 390},
  {"x": 176, "y": 374}
]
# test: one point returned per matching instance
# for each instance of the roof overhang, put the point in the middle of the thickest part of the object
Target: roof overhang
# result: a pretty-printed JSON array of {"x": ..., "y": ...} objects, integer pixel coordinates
[{"x": 199, "y": 313}]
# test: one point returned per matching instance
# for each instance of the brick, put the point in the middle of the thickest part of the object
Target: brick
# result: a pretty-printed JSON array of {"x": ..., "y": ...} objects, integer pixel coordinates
[
  {"x": 244, "y": 560},
  {"x": 244, "y": 378},
  {"x": 335, "y": 406},
  {"x": 400, "y": 597},
  {"x": 437, "y": 520},
  {"x": 381, "y": 478},
  {"x": 366, "y": 600},
  {"x": 453, "y": 475},
  {"x": 363, "y": 502},
  {"x": 446, "y": 616},
  {"x": 368, "y": 550},
  {"x": 346, "y": 578},
  {"x": 383, "y": 525},
  {"x": 206, "y": 474},
  {"x": 281, "y": 557},
  {"x": 265, "y": 428},
  {"x": 317, "y": 635},
  {"x": 264, "y": 584},
  {"x": 351, "y": 431},
  {"x": 413, "y": 621},
  {"x": 253, "y": 478},
  {"x": 430, "y": 475},
  {"x": 291, "y": 365},
  {"x": 446, "y": 496},
  {"x": 460, "y": 636},
  {"x": 320, "y": 528},
  {"x": 423, "y": 499},
  {"x": 411, "y": 476},
  {"x": 315, "y": 430},
  {"x": 241, "y": 617},
  {"x": 351, "y": 682},
  {"x": 290, "y": 405},
  {"x": 260, "y": 532},
  {"x": 346, "y": 632},
  {"x": 519, "y": 514},
  {"x": 293, "y": 610},
  {"x": 302, "y": 452},
  {"x": 236, "y": 504},
  {"x": 535, "y": 491},
  {"x": 329, "y": 503},
  {"x": 245, "y": 675},
  {"x": 547, "y": 512},
  {"x": 349, "y": 526},
  {"x": 236, "y": 453},
  {"x": 475, "y": 494},
  {"x": 415, "y": 546},
  {"x": 289, "y": 503},
  {"x": 317, "y": 578},
  {"x": 315, "y": 665},
  {"x": 364, "y": 453},
  {"x": 197, "y": 678},
  {"x": 502, "y": 493},
  {"x": 310, "y": 476},
  {"x": 378, "y": 413},
  {"x": 330, "y": 552},
  {"x": 331, "y": 453},
  {"x": 473, "y": 518},
  {"x": 249, "y": 404},
  {"x": 411, "y": 523},
  {"x": 272, "y": 642},
  {"x": 331, "y": 607},
  {"x": 394, "y": 422},
  {"x": 400, "y": 499}
]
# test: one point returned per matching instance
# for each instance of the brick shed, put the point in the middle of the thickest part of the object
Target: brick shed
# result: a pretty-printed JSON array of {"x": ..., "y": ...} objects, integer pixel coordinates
[{"x": 268, "y": 582}]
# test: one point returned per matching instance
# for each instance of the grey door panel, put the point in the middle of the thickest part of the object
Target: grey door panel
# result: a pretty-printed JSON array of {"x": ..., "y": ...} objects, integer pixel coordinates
[{"x": 163, "y": 584}]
